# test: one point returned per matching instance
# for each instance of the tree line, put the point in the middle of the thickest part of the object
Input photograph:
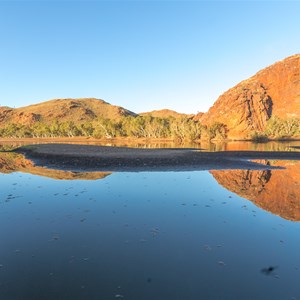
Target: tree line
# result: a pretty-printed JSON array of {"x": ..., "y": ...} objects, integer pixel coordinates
[
  {"x": 277, "y": 128},
  {"x": 182, "y": 129},
  {"x": 135, "y": 127}
]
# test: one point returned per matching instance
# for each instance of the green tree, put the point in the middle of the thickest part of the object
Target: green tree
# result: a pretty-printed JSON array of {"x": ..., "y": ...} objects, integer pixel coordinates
[
  {"x": 86, "y": 129},
  {"x": 279, "y": 128},
  {"x": 217, "y": 130}
]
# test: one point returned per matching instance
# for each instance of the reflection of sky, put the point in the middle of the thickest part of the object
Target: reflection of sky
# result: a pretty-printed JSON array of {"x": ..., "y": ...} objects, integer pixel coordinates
[{"x": 176, "y": 235}]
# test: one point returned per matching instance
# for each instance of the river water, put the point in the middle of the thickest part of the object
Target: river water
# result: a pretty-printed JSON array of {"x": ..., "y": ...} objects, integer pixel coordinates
[{"x": 231, "y": 234}]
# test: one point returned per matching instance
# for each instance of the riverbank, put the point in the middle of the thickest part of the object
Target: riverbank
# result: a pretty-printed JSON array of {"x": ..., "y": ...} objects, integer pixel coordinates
[
  {"x": 102, "y": 158},
  {"x": 209, "y": 146}
]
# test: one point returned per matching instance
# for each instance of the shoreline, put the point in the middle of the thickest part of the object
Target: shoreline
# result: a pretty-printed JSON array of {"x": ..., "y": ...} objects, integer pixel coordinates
[
  {"x": 86, "y": 139},
  {"x": 121, "y": 159}
]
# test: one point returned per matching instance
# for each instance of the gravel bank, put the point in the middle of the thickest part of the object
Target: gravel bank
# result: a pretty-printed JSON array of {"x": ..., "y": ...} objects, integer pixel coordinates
[{"x": 101, "y": 158}]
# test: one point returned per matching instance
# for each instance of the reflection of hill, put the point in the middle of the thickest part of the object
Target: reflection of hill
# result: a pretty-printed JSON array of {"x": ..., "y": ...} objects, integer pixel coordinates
[
  {"x": 12, "y": 162},
  {"x": 277, "y": 191}
]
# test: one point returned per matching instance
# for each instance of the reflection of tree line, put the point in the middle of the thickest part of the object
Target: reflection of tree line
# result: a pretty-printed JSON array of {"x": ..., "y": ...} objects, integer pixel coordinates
[
  {"x": 12, "y": 162},
  {"x": 10, "y": 146},
  {"x": 277, "y": 191},
  {"x": 204, "y": 145}
]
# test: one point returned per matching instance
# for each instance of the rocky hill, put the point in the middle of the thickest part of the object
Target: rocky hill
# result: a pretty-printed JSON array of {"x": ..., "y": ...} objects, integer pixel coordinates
[
  {"x": 245, "y": 108},
  {"x": 77, "y": 110}
]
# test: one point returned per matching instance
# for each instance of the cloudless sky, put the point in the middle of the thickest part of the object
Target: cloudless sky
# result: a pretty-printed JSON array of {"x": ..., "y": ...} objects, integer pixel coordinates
[{"x": 142, "y": 55}]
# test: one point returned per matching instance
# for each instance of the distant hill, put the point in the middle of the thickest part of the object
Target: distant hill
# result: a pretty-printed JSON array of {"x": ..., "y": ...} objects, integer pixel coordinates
[
  {"x": 77, "y": 110},
  {"x": 166, "y": 113},
  {"x": 245, "y": 108}
]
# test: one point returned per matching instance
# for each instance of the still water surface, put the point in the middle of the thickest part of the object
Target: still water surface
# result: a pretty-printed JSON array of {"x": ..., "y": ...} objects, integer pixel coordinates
[{"x": 170, "y": 235}]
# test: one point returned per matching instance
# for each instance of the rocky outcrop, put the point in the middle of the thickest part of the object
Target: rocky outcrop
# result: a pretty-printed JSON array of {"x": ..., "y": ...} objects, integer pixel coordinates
[
  {"x": 25, "y": 118},
  {"x": 245, "y": 108},
  {"x": 5, "y": 114},
  {"x": 277, "y": 191}
]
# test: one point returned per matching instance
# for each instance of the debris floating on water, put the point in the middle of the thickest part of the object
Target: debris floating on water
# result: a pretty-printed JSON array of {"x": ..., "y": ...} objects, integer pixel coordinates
[{"x": 269, "y": 271}]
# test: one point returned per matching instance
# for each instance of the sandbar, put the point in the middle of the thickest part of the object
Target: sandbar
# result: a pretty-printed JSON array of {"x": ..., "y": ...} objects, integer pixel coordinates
[{"x": 118, "y": 159}]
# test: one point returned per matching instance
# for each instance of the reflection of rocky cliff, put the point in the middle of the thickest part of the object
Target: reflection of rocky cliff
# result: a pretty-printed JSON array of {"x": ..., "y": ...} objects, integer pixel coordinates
[
  {"x": 12, "y": 162},
  {"x": 277, "y": 191}
]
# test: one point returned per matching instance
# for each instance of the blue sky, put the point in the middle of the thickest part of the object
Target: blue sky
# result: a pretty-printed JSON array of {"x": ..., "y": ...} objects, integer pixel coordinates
[{"x": 142, "y": 55}]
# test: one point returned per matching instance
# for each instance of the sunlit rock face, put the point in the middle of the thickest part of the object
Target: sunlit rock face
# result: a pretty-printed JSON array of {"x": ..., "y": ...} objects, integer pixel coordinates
[
  {"x": 245, "y": 108},
  {"x": 12, "y": 162},
  {"x": 277, "y": 191}
]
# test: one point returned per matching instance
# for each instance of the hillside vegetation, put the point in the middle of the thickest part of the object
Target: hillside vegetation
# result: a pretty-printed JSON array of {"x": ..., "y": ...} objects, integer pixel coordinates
[{"x": 127, "y": 126}]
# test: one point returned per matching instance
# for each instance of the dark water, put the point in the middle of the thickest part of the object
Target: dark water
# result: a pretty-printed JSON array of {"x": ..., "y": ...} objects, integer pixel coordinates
[{"x": 172, "y": 235}]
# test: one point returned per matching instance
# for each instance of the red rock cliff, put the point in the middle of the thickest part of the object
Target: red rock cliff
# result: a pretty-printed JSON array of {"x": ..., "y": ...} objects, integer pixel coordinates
[{"x": 245, "y": 108}]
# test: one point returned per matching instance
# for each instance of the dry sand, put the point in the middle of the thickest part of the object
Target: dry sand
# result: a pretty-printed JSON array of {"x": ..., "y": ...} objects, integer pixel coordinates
[{"x": 101, "y": 158}]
